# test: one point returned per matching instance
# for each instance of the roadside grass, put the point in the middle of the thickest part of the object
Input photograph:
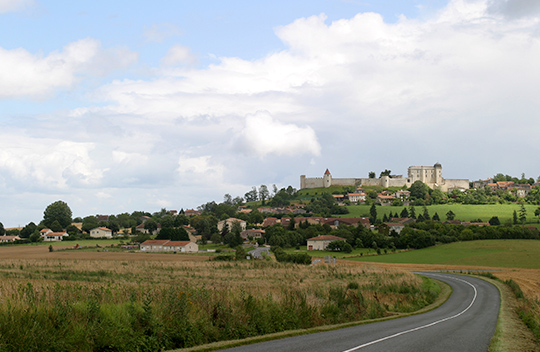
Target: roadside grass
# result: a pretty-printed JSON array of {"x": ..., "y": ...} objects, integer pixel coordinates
[
  {"x": 494, "y": 253},
  {"x": 87, "y": 305},
  {"x": 464, "y": 212}
]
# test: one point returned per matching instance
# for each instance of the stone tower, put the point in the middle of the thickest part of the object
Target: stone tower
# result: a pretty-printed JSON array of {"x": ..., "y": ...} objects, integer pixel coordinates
[
  {"x": 438, "y": 174},
  {"x": 327, "y": 179}
]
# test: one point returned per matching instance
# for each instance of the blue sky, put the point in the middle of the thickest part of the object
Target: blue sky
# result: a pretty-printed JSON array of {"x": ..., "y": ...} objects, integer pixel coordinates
[{"x": 122, "y": 106}]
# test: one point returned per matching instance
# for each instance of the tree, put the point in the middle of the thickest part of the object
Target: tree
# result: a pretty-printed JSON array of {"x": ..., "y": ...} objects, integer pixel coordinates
[
  {"x": 57, "y": 211},
  {"x": 373, "y": 213},
  {"x": 150, "y": 225},
  {"x": 494, "y": 221},
  {"x": 372, "y": 175},
  {"x": 252, "y": 195},
  {"x": 537, "y": 213},
  {"x": 515, "y": 218},
  {"x": 426, "y": 214},
  {"x": 436, "y": 217},
  {"x": 412, "y": 212},
  {"x": 263, "y": 193},
  {"x": 450, "y": 215},
  {"x": 404, "y": 213},
  {"x": 26, "y": 231},
  {"x": 386, "y": 172},
  {"x": 522, "y": 214},
  {"x": 419, "y": 190},
  {"x": 56, "y": 227},
  {"x": 2, "y": 230}
]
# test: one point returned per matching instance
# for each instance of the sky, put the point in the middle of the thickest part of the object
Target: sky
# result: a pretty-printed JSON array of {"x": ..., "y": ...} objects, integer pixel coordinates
[{"x": 120, "y": 106}]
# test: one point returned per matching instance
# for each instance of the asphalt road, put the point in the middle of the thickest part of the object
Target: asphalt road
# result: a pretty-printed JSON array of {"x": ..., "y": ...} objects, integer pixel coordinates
[{"x": 466, "y": 322}]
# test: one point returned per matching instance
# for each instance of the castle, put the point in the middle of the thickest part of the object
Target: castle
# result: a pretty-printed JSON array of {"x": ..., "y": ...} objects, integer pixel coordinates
[{"x": 430, "y": 175}]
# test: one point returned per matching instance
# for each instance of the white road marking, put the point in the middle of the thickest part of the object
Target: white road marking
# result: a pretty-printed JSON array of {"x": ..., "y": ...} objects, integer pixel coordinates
[{"x": 424, "y": 326}]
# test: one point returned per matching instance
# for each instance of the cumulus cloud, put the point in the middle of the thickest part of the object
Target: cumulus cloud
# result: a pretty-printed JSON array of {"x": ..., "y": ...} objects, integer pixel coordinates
[
  {"x": 26, "y": 74},
  {"x": 515, "y": 8},
  {"x": 179, "y": 55},
  {"x": 48, "y": 164},
  {"x": 263, "y": 135},
  {"x": 14, "y": 5}
]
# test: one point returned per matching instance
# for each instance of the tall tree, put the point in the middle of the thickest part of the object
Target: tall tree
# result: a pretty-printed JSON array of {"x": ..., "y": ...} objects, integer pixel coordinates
[
  {"x": 522, "y": 214},
  {"x": 263, "y": 193},
  {"x": 57, "y": 211},
  {"x": 373, "y": 213},
  {"x": 450, "y": 215},
  {"x": 2, "y": 230},
  {"x": 404, "y": 213},
  {"x": 412, "y": 212}
]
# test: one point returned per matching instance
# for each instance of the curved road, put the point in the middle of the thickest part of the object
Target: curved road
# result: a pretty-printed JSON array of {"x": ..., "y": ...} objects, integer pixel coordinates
[{"x": 466, "y": 322}]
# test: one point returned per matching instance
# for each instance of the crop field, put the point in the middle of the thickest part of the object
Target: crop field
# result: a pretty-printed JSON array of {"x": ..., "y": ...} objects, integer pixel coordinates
[
  {"x": 86, "y": 301},
  {"x": 464, "y": 212},
  {"x": 518, "y": 260}
]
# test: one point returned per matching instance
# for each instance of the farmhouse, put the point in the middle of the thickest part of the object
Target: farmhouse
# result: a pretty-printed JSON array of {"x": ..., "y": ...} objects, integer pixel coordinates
[
  {"x": 253, "y": 233},
  {"x": 6, "y": 239},
  {"x": 320, "y": 243},
  {"x": 54, "y": 236},
  {"x": 169, "y": 246},
  {"x": 101, "y": 232},
  {"x": 229, "y": 222}
]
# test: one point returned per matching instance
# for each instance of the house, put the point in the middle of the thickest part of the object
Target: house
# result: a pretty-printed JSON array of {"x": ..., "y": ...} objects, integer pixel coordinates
[
  {"x": 269, "y": 222},
  {"x": 141, "y": 228},
  {"x": 169, "y": 246},
  {"x": 192, "y": 212},
  {"x": 403, "y": 195},
  {"x": 320, "y": 243},
  {"x": 357, "y": 198},
  {"x": 384, "y": 199},
  {"x": 101, "y": 218},
  {"x": 55, "y": 236},
  {"x": 395, "y": 226},
  {"x": 338, "y": 197},
  {"x": 101, "y": 232},
  {"x": 229, "y": 222},
  {"x": 7, "y": 239},
  {"x": 43, "y": 232},
  {"x": 253, "y": 233}
]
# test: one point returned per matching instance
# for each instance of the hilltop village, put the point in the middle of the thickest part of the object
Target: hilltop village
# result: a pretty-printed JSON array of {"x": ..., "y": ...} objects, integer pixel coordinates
[{"x": 312, "y": 217}]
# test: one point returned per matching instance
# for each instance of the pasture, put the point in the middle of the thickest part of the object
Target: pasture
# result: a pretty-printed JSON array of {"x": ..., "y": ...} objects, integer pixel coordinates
[{"x": 464, "y": 212}]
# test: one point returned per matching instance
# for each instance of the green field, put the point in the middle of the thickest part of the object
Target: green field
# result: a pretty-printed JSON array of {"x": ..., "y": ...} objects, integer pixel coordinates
[
  {"x": 464, "y": 212},
  {"x": 494, "y": 253}
]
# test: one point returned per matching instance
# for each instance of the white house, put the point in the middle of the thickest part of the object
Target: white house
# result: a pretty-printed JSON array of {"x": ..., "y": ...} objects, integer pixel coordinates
[
  {"x": 169, "y": 246},
  {"x": 230, "y": 222},
  {"x": 100, "y": 232},
  {"x": 320, "y": 243},
  {"x": 54, "y": 236}
]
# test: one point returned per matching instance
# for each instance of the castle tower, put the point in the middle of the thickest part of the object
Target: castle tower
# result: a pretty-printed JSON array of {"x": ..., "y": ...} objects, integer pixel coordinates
[
  {"x": 327, "y": 179},
  {"x": 438, "y": 174},
  {"x": 302, "y": 181}
]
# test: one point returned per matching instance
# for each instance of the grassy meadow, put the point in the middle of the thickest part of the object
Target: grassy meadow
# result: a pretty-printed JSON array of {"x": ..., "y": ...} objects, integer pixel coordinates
[
  {"x": 495, "y": 253},
  {"x": 464, "y": 212},
  {"x": 91, "y": 305}
]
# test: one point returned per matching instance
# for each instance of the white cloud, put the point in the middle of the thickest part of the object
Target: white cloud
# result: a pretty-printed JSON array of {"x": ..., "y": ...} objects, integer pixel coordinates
[
  {"x": 26, "y": 74},
  {"x": 179, "y": 55},
  {"x": 200, "y": 170},
  {"x": 47, "y": 163},
  {"x": 263, "y": 135},
  {"x": 14, "y": 5}
]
